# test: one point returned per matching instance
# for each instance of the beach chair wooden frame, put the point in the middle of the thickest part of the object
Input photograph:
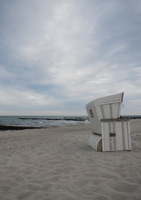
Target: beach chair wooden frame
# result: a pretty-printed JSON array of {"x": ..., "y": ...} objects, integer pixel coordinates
[{"x": 110, "y": 131}]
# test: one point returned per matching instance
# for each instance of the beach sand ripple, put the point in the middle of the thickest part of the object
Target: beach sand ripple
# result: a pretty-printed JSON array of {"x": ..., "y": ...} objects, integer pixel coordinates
[{"x": 57, "y": 164}]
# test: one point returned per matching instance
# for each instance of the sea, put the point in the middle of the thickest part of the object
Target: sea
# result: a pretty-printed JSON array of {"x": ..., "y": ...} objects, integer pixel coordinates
[
  {"x": 41, "y": 121},
  {"x": 23, "y": 122}
]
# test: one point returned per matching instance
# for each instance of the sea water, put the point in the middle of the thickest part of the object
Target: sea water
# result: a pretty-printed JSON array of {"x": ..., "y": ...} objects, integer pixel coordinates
[{"x": 42, "y": 121}]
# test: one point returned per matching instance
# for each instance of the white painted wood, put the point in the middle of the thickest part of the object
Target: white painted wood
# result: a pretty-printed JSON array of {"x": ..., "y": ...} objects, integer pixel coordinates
[
  {"x": 99, "y": 111},
  {"x": 112, "y": 143},
  {"x": 94, "y": 142},
  {"x": 93, "y": 117},
  {"x": 106, "y": 142},
  {"x": 103, "y": 108},
  {"x": 106, "y": 110},
  {"x": 126, "y": 141},
  {"x": 111, "y": 139},
  {"x": 104, "y": 102},
  {"x": 129, "y": 135},
  {"x": 115, "y": 110},
  {"x": 103, "y": 136},
  {"x": 121, "y": 140},
  {"x": 104, "y": 116}
]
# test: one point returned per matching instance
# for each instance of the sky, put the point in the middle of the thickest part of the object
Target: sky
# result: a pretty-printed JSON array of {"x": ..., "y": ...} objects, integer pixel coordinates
[{"x": 56, "y": 56}]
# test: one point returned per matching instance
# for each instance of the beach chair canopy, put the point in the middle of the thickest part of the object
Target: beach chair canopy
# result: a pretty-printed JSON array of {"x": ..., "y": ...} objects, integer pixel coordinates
[{"x": 104, "y": 108}]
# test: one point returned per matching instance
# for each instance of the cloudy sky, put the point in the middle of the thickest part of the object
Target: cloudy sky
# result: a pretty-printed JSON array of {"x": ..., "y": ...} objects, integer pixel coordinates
[{"x": 58, "y": 55}]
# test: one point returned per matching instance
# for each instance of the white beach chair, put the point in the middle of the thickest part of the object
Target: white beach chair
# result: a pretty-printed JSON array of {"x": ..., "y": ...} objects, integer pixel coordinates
[{"x": 110, "y": 131}]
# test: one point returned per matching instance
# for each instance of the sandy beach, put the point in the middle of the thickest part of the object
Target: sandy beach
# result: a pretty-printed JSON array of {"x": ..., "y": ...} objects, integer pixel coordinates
[{"x": 57, "y": 164}]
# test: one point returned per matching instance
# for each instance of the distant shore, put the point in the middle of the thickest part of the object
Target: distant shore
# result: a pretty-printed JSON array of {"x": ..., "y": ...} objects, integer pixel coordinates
[
  {"x": 6, "y": 127},
  {"x": 55, "y": 118}
]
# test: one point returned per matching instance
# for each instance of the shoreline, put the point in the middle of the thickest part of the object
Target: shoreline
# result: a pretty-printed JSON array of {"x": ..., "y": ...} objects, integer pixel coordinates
[
  {"x": 55, "y": 118},
  {"x": 8, "y": 127},
  {"x": 19, "y": 127}
]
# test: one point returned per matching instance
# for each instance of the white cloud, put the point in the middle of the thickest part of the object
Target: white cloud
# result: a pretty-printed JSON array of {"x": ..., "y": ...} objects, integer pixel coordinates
[
  {"x": 25, "y": 98},
  {"x": 74, "y": 51},
  {"x": 4, "y": 74}
]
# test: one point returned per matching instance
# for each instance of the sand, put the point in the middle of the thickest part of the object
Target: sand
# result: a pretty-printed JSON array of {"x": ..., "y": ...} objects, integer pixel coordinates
[{"x": 58, "y": 164}]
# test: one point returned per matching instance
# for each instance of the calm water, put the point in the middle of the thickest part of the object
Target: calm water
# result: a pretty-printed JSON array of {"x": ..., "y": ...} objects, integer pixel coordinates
[{"x": 42, "y": 121}]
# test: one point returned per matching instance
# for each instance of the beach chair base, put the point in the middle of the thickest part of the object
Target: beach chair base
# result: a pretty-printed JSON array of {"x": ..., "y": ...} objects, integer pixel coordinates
[
  {"x": 115, "y": 136},
  {"x": 95, "y": 141}
]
